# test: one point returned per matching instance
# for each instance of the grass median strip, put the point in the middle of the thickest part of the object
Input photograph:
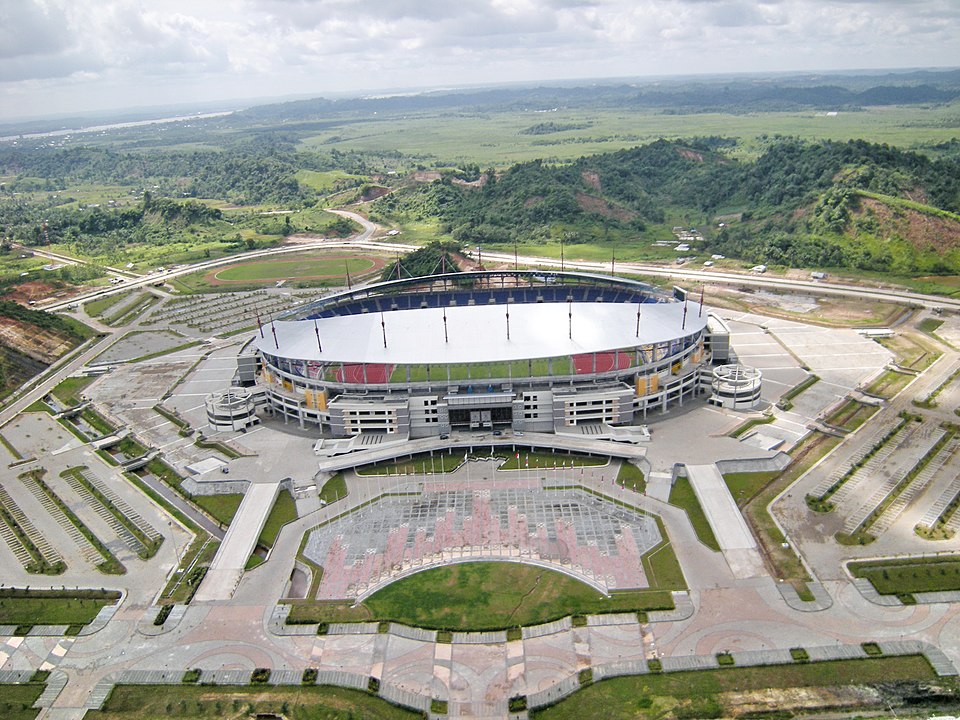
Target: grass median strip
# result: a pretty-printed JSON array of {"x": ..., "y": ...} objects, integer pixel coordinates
[
  {"x": 683, "y": 496},
  {"x": 771, "y": 691},
  {"x": 136, "y": 702},
  {"x": 905, "y": 577}
]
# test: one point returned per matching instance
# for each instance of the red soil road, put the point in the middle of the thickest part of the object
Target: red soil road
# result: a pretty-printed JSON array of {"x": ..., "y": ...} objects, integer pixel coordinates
[
  {"x": 583, "y": 364},
  {"x": 378, "y": 263}
]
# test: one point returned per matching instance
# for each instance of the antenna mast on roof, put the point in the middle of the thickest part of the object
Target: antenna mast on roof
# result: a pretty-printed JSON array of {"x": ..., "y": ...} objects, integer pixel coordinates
[
  {"x": 508, "y": 318},
  {"x": 700, "y": 311},
  {"x": 613, "y": 262},
  {"x": 383, "y": 326},
  {"x": 398, "y": 266},
  {"x": 346, "y": 266},
  {"x": 316, "y": 329},
  {"x": 570, "y": 319},
  {"x": 683, "y": 325},
  {"x": 446, "y": 338},
  {"x": 516, "y": 264},
  {"x": 274, "y": 329},
  {"x": 638, "y": 319},
  {"x": 259, "y": 324},
  {"x": 561, "y": 254}
]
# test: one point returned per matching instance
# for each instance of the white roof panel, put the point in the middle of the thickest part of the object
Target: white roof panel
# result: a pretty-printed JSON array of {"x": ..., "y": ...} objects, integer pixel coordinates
[{"x": 478, "y": 333}]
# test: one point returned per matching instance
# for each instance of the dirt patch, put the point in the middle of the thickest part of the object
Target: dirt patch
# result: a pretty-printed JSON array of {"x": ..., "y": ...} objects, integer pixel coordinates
[
  {"x": 374, "y": 192},
  {"x": 690, "y": 154},
  {"x": 925, "y": 232},
  {"x": 426, "y": 176},
  {"x": 38, "y": 291},
  {"x": 599, "y": 206},
  {"x": 42, "y": 345},
  {"x": 531, "y": 201},
  {"x": 591, "y": 178},
  {"x": 804, "y": 699}
]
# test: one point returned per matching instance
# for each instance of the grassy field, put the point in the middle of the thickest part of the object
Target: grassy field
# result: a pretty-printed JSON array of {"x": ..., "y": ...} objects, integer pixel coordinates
[
  {"x": 420, "y": 463},
  {"x": 745, "y": 486},
  {"x": 334, "y": 489},
  {"x": 905, "y": 577},
  {"x": 96, "y": 308},
  {"x": 481, "y": 596},
  {"x": 16, "y": 701},
  {"x": 682, "y": 495},
  {"x": 494, "y": 138},
  {"x": 713, "y": 693},
  {"x": 68, "y": 391},
  {"x": 284, "y": 511},
  {"x": 852, "y": 415},
  {"x": 273, "y": 270},
  {"x": 39, "y": 607},
  {"x": 786, "y": 564},
  {"x": 632, "y": 477},
  {"x": 222, "y": 507},
  {"x": 139, "y": 702},
  {"x": 888, "y": 384}
]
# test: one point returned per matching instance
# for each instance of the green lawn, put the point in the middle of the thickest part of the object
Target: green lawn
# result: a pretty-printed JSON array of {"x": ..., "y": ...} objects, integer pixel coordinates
[
  {"x": 744, "y": 486},
  {"x": 68, "y": 391},
  {"x": 284, "y": 511},
  {"x": 41, "y": 607},
  {"x": 16, "y": 701},
  {"x": 98, "y": 307},
  {"x": 852, "y": 415},
  {"x": 904, "y": 577},
  {"x": 929, "y": 325},
  {"x": 682, "y": 495},
  {"x": 534, "y": 460},
  {"x": 222, "y": 507},
  {"x": 420, "y": 463},
  {"x": 700, "y": 694},
  {"x": 141, "y": 702},
  {"x": 334, "y": 489},
  {"x": 632, "y": 477},
  {"x": 482, "y": 596}
]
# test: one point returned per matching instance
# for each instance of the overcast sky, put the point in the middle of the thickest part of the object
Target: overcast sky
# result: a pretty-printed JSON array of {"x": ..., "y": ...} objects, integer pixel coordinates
[{"x": 62, "y": 56}]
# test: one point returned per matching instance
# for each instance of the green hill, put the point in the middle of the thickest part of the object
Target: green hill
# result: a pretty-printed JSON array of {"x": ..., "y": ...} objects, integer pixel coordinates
[{"x": 855, "y": 204}]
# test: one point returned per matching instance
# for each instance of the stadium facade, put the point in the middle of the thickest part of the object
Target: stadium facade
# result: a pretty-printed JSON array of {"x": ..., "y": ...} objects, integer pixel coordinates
[{"x": 520, "y": 350}]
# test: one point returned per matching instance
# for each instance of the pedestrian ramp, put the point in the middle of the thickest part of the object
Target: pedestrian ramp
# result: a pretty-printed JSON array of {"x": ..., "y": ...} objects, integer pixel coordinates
[
  {"x": 238, "y": 544},
  {"x": 734, "y": 537}
]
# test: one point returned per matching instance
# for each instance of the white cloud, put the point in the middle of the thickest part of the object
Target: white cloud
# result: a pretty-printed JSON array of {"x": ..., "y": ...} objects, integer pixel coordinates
[{"x": 60, "y": 54}]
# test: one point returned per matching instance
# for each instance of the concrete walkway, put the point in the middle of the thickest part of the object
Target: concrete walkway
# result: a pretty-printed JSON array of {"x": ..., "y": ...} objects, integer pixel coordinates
[
  {"x": 227, "y": 567},
  {"x": 734, "y": 537}
]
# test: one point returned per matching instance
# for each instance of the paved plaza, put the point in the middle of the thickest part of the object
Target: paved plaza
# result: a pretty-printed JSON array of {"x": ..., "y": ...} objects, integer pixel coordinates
[{"x": 570, "y": 530}]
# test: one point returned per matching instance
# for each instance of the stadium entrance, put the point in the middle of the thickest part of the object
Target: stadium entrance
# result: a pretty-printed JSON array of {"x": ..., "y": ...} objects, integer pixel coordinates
[{"x": 480, "y": 412}]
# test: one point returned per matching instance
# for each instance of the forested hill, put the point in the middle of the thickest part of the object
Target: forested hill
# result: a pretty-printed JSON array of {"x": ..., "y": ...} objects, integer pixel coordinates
[{"x": 799, "y": 203}]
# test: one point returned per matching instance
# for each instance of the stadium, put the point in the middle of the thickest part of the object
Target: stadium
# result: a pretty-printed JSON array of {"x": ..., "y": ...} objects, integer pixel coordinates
[{"x": 487, "y": 350}]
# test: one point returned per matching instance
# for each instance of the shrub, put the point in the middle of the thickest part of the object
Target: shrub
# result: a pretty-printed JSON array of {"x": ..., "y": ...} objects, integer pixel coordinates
[
  {"x": 260, "y": 676},
  {"x": 518, "y": 703}
]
